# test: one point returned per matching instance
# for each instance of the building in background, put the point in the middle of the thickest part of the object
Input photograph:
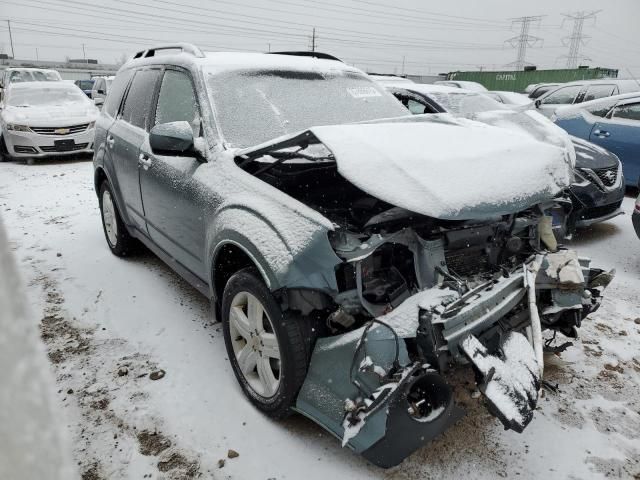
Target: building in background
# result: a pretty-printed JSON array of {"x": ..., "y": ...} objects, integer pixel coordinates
[
  {"x": 518, "y": 80},
  {"x": 71, "y": 70}
]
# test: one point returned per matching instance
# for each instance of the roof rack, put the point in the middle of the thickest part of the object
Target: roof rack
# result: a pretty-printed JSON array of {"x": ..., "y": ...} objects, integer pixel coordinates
[
  {"x": 323, "y": 56},
  {"x": 183, "y": 47}
]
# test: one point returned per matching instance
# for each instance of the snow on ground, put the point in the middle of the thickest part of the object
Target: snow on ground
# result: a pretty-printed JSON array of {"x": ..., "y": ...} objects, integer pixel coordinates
[{"x": 113, "y": 325}]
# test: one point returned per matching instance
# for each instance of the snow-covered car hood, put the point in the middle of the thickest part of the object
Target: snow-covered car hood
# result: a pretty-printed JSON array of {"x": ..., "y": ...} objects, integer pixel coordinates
[
  {"x": 51, "y": 115},
  {"x": 447, "y": 169},
  {"x": 528, "y": 122}
]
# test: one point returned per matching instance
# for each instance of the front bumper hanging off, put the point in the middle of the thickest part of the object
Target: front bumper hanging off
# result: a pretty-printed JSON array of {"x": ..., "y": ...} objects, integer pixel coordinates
[{"x": 367, "y": 389}]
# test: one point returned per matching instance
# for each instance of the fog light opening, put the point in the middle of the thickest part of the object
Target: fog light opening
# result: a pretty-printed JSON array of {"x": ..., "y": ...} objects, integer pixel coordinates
[{"x": 428, "y": 398}]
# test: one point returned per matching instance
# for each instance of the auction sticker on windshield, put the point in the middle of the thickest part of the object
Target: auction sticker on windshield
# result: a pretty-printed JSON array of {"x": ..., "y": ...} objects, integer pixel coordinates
[{"x": 363, "y": 92}]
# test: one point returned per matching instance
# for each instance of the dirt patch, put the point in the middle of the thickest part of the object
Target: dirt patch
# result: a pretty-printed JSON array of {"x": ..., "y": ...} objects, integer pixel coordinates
[
  {"x": 179, "y": 467},
  {"x": 152, "y": 443},
  {"x": 93, "y": 473}
]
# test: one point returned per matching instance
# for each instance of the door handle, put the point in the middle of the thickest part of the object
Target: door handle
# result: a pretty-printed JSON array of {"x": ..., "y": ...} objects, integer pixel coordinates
[
  {"x": 601, "y": 133},
  {"x": 145, "y": 161},
  {"x": 110, "y": 141}
]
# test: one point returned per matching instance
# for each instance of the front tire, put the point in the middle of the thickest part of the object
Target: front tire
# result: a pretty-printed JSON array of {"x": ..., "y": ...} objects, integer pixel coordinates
[
  {"x": 4, "y": 152},
  {"x": 118, "y": 239},
  {"x": 265, "y": 347}
]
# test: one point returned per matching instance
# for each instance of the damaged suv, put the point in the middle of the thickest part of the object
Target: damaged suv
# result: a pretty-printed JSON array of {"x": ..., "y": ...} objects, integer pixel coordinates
[{"x": 354, "y": 262}]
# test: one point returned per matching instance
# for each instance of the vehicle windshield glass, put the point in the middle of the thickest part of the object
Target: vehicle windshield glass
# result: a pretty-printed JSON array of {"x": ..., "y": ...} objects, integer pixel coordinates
[
  {"x": 464, "y": 102},
  {"x": 85, "y": 84},
  {"x": 29, "y": 97},
  {"x": 256, "y": 106},
  {"x": 33, "y": 76}
]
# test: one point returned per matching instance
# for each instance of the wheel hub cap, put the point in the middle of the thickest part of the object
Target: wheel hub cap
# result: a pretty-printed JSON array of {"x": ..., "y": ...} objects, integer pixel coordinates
[
  {"x": 109, "y": 218},
  {"x": 255, "y": 344}
]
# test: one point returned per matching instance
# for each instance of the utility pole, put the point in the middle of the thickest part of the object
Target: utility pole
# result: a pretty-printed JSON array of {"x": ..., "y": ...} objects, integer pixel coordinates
[
  {"x": 13, "y": 55},
  {"x": 524, "y": 40},
  {"x": 37, "y": 56},
  {"x": 269, "y": 44},
  {"x": 313, "y": 40},
  {"x": 577, "y": 38},
  {"x": 84, "y": 53},
  {"x": 403, "y": 65}
]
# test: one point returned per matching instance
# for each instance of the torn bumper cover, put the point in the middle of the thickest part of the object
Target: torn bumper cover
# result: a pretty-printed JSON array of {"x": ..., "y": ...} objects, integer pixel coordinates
[{"x": 381, "y": 388}]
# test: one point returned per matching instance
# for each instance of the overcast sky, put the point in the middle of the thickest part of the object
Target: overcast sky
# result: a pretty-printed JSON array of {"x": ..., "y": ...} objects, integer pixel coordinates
[{"x": 375, "y": 35}]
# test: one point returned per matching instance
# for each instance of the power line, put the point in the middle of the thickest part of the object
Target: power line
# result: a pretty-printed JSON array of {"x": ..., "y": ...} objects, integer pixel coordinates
[
  {"x": 524, "y": 40},
  {"x": 577, "y": 37},
  {"x": 11, "y": 38}
]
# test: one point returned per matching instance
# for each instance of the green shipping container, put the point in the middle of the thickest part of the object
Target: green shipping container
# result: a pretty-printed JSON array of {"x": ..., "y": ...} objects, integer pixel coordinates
[{"x": 517, "y": 81}]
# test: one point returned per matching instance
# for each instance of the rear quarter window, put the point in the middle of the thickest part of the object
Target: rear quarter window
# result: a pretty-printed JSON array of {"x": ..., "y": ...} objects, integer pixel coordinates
[{"x": 114, "y": 98}]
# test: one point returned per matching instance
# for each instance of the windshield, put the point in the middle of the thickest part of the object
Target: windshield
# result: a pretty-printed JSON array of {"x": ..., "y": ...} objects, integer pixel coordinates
[
  {"x": 33, "y": 76},
  {"x": 256, "y": 106},
  {"x": 30, "y": 97},
  {"x": 465, "y": 102}
]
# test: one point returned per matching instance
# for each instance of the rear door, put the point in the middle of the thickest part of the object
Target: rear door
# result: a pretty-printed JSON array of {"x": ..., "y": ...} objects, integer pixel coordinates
[
  {"x": 620, "y": 134},
  {"x": 172, "y": 200},
  {"x": 124, "y": 139}
]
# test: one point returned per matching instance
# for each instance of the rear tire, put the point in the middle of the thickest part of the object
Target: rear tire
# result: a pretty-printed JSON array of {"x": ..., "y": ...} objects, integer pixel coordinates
[
  {"x": 266, "y": 347},
  {"x": 118, "y": 239}
]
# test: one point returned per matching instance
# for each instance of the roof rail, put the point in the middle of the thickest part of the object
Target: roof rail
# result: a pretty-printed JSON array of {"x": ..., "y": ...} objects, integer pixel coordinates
[
  {"x": 323, "y": 56},
  {"x": 183, "y": 47}
]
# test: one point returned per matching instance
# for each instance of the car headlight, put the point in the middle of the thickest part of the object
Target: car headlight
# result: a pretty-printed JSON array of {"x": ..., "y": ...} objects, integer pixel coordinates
[
  {"x": 17, "y": 128},
  {"x": 91, "y": 125}
]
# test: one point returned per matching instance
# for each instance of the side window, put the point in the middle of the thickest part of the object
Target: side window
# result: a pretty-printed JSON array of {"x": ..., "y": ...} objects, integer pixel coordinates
[
  {"x": 601, "y": 109},
  {"x": 563, "y": 96},
  {"x": 630, "y": 111},
  {"x": 137, "y": 105},
  {"x": 114, "y": 98},
  {"x": 598, "y": 91},
  {"x": 177, "y": 101}
]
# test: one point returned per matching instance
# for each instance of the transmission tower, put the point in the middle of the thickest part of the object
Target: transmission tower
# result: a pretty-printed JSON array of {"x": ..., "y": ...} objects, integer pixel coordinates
[
  {"x": 577, "y": 38},
  {"x": 524, "y": 40}
]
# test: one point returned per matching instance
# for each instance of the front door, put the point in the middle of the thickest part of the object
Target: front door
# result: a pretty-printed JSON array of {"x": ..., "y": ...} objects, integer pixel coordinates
[
  {"x": 173, "y": 201},
  {"x": 620, "y": 134}
]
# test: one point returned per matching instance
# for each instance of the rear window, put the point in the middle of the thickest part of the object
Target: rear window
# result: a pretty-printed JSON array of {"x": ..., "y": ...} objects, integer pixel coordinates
[
  {"x": 114, "y": 98},
  {"x": 137, "y": 105}
]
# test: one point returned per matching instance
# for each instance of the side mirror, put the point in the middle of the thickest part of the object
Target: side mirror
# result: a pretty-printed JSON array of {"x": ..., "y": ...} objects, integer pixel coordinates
[
  {"x": 174, "y": 139},
  {"x": 538, "y": 103},
  {"x": 98, "y": 101},
  {"x": 101, "y": 92}
]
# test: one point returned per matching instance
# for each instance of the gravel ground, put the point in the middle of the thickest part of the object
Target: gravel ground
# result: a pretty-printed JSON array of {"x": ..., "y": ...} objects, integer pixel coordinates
[{"x": 147, "y": 392}]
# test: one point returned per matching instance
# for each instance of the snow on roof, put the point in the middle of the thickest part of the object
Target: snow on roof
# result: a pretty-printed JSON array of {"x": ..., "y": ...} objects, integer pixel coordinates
[
  {"x": 427, "y": 88},
  {"x": 217, "y": 62},
  {"x": 571, "y": 110}
]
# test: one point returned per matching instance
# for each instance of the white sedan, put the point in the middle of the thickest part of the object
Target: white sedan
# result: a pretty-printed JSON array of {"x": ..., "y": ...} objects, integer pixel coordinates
[{"x": 40, "y": 119}]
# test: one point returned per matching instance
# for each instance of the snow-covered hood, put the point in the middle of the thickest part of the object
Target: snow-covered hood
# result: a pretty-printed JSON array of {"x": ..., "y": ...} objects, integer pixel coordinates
[
  {"x": 446, "y": 169},
  {"x": 51, "y": 115},
  {"x": 528, "y": 122}
]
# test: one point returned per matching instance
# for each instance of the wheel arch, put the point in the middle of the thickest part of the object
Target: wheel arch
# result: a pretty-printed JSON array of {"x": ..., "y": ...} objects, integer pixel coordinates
[{"x": 229, "y": 257}]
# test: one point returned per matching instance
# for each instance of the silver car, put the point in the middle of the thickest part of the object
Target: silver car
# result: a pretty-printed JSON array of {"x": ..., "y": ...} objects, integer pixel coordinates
[{"x": 40, "y": 119}]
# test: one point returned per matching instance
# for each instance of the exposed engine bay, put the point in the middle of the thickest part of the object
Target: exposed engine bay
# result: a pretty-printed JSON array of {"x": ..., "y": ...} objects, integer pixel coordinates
[{"x": 418, "y": 296}]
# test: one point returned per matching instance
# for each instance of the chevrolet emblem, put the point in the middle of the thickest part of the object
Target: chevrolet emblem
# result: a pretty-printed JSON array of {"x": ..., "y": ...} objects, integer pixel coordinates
[{"x": 61, "y": 131}]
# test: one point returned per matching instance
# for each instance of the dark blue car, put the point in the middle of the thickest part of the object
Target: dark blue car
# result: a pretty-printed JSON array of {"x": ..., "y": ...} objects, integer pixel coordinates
[
  {"x": 612, "y": 123},
  {"x": 86, "y": 86}
]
